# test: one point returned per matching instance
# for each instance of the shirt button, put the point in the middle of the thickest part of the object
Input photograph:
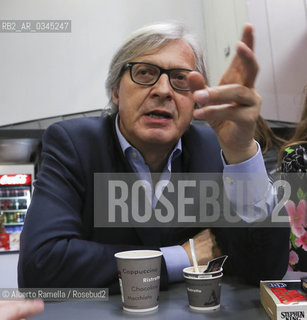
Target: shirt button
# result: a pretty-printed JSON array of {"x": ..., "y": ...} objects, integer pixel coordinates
[
  {"x": 134, "y": 154},
  {"x": 228, "y": 180}
]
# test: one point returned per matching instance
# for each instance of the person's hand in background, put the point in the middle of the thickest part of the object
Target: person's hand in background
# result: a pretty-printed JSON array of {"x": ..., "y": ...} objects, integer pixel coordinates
[{"x": 20, "y": 309}]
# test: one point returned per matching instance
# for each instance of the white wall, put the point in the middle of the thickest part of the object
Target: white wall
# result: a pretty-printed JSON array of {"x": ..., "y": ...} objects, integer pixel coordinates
[
  {"x": 224, "y": 20},
  {"x": 281, "y": 49},
  {"x": 44, "y": 75}
]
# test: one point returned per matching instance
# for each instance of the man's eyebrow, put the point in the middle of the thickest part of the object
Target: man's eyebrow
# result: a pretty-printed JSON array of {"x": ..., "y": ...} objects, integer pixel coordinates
[{"x": 168, "y": 67}]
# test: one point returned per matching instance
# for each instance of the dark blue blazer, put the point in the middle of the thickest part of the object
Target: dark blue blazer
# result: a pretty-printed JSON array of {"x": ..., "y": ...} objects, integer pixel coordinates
[{"x": 61, "y": 248}]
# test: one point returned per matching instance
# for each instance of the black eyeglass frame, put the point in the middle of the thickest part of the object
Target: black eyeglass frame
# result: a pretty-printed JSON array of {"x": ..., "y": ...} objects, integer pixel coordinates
[{"x": 162, "y": 70}]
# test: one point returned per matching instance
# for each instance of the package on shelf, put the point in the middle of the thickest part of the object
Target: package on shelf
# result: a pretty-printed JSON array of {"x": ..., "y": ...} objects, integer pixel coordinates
[{"x": 14, "y": 240}]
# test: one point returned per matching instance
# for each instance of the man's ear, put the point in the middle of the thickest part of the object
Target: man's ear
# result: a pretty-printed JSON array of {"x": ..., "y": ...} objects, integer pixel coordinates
[{"x": 115, "y": 97}]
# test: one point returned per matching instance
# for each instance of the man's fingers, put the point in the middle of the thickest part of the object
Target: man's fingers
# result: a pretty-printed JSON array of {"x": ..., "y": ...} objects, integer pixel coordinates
[
  {"x": 206, "y": 246},
  {"x": 244, "y": 67},
  {"x": 249, "y": 64},
  {"x": 196, "y": 81},
  {"x": 227, "y": 94},
  {"x": 247, "y": 36},
  {"x": 220, "y": 113},
  {"x": 204, "y": 234},
  {"x": 229, "y": 102},
  {"x": 224, "y": 112},
  {"x": 205, "y": 237}
]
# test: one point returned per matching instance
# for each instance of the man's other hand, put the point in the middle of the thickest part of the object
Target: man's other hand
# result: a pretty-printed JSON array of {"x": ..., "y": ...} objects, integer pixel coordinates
[{"x": 205, "y": 245}]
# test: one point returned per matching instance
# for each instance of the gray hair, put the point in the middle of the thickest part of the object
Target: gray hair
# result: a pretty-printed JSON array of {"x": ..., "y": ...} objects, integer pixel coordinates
[{"x": 146, "y": 39}]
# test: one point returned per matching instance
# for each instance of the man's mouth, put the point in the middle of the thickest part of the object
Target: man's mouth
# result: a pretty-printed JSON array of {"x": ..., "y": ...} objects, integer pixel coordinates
[{"x": 159, "y": 114}]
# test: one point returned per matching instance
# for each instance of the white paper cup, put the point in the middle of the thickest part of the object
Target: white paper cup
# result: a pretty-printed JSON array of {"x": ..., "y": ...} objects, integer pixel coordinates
[
  {"x": 203, "y": 289},
  {"x": 139, "y": 279}
]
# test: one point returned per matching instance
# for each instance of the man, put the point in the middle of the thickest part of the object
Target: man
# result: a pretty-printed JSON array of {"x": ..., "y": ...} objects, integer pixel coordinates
[{"x": 153, "y": 87}]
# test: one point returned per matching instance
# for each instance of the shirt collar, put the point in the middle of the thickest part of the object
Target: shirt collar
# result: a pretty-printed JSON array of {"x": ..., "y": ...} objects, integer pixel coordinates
[{"x": 123, "y": 142}]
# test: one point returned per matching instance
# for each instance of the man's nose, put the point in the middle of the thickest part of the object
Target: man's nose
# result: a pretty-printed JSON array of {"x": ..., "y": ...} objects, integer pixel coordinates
[{"x": 162, "y": 87}]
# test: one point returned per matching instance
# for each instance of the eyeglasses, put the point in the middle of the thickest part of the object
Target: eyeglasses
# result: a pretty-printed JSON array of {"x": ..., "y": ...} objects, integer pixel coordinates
[{"x": 147, "y": 74}]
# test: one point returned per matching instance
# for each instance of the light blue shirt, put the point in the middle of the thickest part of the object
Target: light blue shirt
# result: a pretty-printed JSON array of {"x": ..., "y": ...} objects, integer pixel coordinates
[
  {"x": 176, "y": 258},
  {"x": 139, "y": 166}
]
